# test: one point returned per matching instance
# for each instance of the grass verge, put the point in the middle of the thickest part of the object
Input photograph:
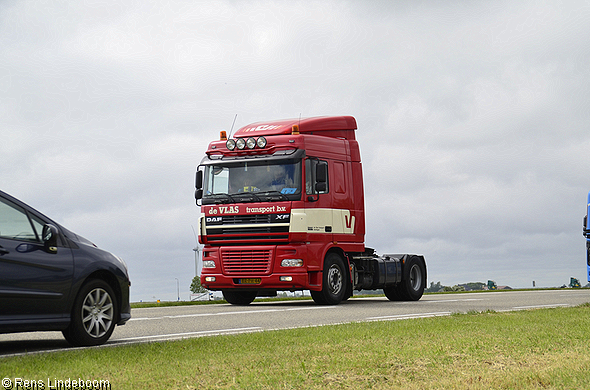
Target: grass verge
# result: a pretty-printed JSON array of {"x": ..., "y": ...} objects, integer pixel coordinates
[{"x": 537, "y": 349}]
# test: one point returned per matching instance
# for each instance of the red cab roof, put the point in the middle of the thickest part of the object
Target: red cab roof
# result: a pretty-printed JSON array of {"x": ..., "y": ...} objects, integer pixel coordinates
[{"x": 330, "y": 126}]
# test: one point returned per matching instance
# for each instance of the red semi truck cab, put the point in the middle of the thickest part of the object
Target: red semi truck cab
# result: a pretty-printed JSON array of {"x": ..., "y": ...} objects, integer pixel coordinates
[{"x": 282, "y": 209}]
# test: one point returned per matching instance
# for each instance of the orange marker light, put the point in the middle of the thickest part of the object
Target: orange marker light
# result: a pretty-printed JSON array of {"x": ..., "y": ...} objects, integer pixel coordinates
[
  {"x": 295, "y": 130},
  {"x": 223, "y": 135}
]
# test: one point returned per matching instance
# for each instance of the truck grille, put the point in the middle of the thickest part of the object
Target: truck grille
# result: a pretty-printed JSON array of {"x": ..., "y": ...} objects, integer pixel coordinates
[
  {"x": 246, "y": 261},
  {"x": 236, "y": 229}
]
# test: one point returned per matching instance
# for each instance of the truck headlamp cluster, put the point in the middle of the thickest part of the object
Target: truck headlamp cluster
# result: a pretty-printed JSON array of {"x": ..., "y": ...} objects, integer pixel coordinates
[
  {"x": 242, "y": 143},
  {"x": 208, "y": 264},
  {"x": 292, "y": 263}
]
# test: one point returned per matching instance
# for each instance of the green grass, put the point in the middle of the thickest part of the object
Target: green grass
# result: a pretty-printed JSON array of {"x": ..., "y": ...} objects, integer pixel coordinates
[{"x": 536, "y": 349}]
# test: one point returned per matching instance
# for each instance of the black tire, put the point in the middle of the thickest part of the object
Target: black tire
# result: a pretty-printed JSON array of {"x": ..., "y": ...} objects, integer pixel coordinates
[
  {"x": 334, "y": 282},
  {"x": 392, "y": 294},
  {"x": 411, "y": 288},
  {"x": 239, "y": 297},
  {"x": 94, "y": 315}
]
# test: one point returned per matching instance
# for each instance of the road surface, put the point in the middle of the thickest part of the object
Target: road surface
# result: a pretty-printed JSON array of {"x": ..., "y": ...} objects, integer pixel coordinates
[{"x": 172, "y": 323}]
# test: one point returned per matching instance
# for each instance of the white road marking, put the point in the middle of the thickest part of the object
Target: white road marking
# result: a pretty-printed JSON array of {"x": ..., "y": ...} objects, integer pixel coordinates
[
  {"x": 230, "y": 313},
  {"x": 409, "y": 316},
  {"x": 186, "y": 334},
  {"x": 540, "y": 306},
  {"x": 455, "y": 300}
]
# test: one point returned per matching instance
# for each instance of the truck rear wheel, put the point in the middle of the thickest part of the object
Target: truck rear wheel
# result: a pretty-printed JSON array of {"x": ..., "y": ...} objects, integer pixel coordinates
[
  {"x": 334, "y": 282},
  {"x": 239, "y": 297},
  {"x": 413, "y": 281}
]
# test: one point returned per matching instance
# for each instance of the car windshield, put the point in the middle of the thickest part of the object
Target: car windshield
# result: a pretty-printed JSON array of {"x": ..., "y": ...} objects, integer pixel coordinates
[{"x": 252, "y": 182}]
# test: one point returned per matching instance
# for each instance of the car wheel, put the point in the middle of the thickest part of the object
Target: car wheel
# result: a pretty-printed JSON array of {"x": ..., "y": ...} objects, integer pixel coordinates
[{"x": 94, "y": 315}]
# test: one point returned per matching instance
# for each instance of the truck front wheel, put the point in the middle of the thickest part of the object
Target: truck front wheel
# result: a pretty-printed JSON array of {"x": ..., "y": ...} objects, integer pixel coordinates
[
  {"x": 239, "y": 297},
  {"x": 413, "y": 281},
  {"x": 334, "y": 283}
]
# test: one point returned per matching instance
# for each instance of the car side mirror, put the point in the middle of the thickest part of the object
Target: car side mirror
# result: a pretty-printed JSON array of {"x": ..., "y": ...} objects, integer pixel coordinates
[{"x": 49, "y": 237}]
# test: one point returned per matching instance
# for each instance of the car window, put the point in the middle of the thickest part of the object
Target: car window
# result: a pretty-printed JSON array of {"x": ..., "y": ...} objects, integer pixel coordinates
[{"x": 15, "y": 224}]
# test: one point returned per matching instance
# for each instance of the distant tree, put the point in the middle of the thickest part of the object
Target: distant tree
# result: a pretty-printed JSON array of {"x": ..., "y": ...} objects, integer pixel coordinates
[
  {"x": 196, "y": 285},
  {"x": 435, "y": 287},
  {"x": 473, "y": 286}
]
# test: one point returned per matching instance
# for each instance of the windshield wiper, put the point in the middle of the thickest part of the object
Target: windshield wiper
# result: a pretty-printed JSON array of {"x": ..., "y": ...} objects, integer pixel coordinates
[
  {"x": 271, "y": 193},
  {"x": 251, "y": 194},
  {"x": 229, "y": 199}
]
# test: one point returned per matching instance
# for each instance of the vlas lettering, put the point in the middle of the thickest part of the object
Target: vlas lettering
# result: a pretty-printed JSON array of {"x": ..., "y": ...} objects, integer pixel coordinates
[{"x": 229, "y": 209}]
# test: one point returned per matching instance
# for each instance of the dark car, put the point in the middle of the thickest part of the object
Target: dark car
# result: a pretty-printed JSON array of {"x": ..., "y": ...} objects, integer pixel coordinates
[{"x": 53, "y": 279}]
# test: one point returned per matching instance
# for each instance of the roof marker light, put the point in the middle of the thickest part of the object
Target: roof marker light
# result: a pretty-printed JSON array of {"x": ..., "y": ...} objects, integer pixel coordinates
[
  {"x": 251, "y": 143},
  {"x": 231, "y": 144},
  {"x": 240, "y": 143}
]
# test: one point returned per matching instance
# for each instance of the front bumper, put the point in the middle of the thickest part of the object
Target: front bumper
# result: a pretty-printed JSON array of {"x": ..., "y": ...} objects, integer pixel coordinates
[{"x": 280, "y": 282}]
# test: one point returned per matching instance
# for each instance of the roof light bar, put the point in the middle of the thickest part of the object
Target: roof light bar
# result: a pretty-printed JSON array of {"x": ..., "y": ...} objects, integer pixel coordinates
[{"x": 250, "y": 143}]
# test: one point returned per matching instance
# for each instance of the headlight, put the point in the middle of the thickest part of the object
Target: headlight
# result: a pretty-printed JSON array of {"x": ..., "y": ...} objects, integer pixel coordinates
[
  {"x": 208, "y": 264},
  {"x": 261, "y": 142},
  {"x": 240, "y": 143},
  {"x": 292, "y": 263},
  {"x": 251, "y": 143},
  {"x": 231, "y": 144}
]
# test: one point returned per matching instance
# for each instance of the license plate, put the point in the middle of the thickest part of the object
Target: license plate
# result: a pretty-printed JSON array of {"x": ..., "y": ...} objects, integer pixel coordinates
[{"x": 250, "y": 281}]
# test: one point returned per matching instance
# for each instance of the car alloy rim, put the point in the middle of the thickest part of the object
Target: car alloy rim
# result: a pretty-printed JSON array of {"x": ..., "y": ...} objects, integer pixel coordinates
[{"x": 97, "y": 313}]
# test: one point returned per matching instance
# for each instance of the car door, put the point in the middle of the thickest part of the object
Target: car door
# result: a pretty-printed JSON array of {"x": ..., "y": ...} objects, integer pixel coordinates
[{"x": 35, "y": 281}]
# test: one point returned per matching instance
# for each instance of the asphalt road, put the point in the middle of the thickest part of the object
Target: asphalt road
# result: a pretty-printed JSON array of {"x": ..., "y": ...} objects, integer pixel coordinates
[{"x": 172, "y": 323}]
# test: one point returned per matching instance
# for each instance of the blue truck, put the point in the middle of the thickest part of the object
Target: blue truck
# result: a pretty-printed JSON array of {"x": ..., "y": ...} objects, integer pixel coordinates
[{"x": 587, "y": 235}]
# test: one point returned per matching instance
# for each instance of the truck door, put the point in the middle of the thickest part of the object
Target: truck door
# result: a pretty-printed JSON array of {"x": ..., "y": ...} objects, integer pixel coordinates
[
  {"x": 34, "y": 282},
  {"x": 318, "y": 200}
]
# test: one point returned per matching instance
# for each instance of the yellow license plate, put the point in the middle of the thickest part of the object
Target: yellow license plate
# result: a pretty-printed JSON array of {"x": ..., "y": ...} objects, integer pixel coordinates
[{"x": 250, "y": 281}]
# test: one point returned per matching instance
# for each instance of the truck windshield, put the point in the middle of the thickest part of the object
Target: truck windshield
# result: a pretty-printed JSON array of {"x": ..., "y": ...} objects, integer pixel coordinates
[{"x": 252, "y": 182}]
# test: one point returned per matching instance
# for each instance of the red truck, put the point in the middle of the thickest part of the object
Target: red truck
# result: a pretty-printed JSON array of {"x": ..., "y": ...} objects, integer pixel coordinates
[{"x": 282, "y": 209}]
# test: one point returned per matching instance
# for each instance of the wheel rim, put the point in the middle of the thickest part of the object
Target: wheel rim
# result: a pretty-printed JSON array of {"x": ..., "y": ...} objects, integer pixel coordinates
[
  {"x": 97, "y": 313},
  {"x": 415, "y": 277},
  {"x": 334, "y": 279}
]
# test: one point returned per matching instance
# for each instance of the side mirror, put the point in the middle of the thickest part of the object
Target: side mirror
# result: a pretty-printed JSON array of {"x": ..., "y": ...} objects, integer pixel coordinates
[
  {"x": 198, "y": 193},
  {"x": 198, "y": 185},
  {"x": 199, "y": 180},
  {"x": 49, "y": 237},
  {"x": 321, "y": 177}
]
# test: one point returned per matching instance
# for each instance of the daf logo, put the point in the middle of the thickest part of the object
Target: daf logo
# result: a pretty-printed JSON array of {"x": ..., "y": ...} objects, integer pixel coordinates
[{"x": 213, "y": 219}]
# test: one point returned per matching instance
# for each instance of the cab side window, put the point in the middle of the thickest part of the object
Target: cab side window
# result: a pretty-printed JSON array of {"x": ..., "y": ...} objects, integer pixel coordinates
[{"x": 15, "y": 223}]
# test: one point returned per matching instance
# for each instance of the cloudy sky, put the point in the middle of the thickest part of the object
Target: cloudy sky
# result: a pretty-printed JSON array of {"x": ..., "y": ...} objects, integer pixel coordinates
[{"x": 474, "y": 121}]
